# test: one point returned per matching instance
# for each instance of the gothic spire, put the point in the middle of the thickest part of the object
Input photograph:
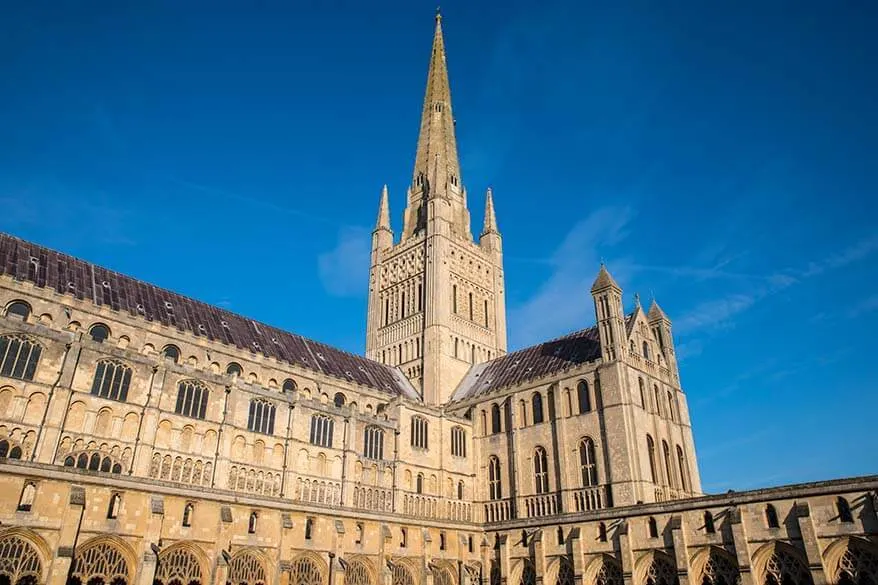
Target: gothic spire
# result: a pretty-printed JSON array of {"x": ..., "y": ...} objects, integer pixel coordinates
[
  {"x": 436, "y": 164},
  {"x": 490, "y": 225},
  {"x": 383, "y": 211}
]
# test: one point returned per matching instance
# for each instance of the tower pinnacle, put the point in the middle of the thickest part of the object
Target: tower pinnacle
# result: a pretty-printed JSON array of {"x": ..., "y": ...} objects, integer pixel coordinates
[
  {"x": 383, "y": 211},
  {"x": 490, "y": 225}
]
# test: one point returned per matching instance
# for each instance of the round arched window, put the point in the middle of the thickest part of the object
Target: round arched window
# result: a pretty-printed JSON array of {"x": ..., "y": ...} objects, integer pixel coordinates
[
  {"x": 99, "y": 333},
  {"x": 19, "y": 309},
  {"x": 339, "y": 399},
  {"x": 234, "y": 369},
  {"x": 172, "y": 353},
  {"x": 289, "y": 385}
]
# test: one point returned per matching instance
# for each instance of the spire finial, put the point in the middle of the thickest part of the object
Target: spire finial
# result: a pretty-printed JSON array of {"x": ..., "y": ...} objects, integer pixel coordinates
[
  {"x": 438, "y": 14},
  {"x": 490, "y": 225},
  {"x": 637, "y": 300},
  {"x": 383, "y": 211}
]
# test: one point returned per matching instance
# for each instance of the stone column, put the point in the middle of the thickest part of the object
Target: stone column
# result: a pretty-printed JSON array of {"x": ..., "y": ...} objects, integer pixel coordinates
[
  {"x": 626, "y": 558},
  {"x": 71, "y": 517},
  {"x": 742, "y": 547},
  {"x": 681, "y": 555}
]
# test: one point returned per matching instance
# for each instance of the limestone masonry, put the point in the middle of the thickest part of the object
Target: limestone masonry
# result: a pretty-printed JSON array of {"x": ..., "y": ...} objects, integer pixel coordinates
[{"x": 148, "y": 438}]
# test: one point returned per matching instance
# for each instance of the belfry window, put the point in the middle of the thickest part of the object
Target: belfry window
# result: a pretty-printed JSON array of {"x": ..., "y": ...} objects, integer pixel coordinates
[
  {"x": 373, "y": 443},
  {"x": 583, "y": 397},
  {"x": 289, "y": 385},
  {"x": 172, "y": 353},
  {"x": 587, "y": 463},
  {"x": 537, "y": 404},
  {"x": 458, "y": 442},
  {"x": 645, "y": 350},
  {"x": 650, "y": 448},
  {"x": 495, "y": 418}
]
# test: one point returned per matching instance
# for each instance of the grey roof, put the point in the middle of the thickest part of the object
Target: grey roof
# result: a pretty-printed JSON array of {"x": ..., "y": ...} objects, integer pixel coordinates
[{"x": 65, "y": 274}]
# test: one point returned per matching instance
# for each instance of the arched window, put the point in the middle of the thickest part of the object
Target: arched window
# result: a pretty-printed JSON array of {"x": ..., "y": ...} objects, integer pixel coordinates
[
  {"x": 460, "y": 490},
  {"x": 112, "y": 379},
  {"x": 99, "y": 333},
  {"x": 709, "y": 526},
  {"x": 602, "y": 532},
  {"x": 19, "y": 309},
  {"x": 684, "y": 473},
  {"x": 582, "y": 395},
  {"x": 339, "y": 400},
  {"x": 289, "y": 385},
  {"x": 100, "y": 561},
  {"x": 658, "y": 399},
  {"x": 470, "y": 306},
  {"x": 669, "y": 469},
  {"x": 650, "y": 449},
  {"x": 403, "y": 537},
  {"x": 642, "y": 394},
  {"x": 251, "y": 525},
  {"x": 19, "y": 357},
  {"x": 495, "y": 418},
  {"x": 261, "y": 417},
  {"x": 645, "y": 350},
  {"x": 537, "y": 407},
  {"x": 458, "y": 442},
  {"x": 178, "y": 565},
  {"x": 192, "y": 399},
  {"x": 188, "y": 510},
  {"x": 587, "y": 463},
  {"x": 565, "y": 569},
  {"x": 20, "y": 561},
  {"x": 671, "y": 409},
  {"x": 419, "y": 432},
  {"x": 653, "y": 528},
  {"x": 784, "y": 567},
  {"x": 844, "y": 510},
  {"x": 373, "y": 443},
  {"x": 454, "y": 298},
  {"x": 771, "y": 516},
  {"x": 495, "y": 486},
  {"x": 528, "y": 573},
  {"x": 321, "y": 430},
  {"x": 304, "y": 571},
  {"x": 28, "y": 493},
  {"x": 234, "y": 369},
  {"x": 419, "y": 483},
  {"x": 171, "y": 352},
  {"x": 246, "y": 568},
  {"x": 541, "y": 471},
  {"x": 115, "y": 504}
]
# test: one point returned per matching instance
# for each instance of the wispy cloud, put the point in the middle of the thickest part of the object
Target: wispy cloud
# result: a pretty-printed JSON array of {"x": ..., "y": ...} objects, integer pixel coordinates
[
  {"x": 344, "y": 270},
  {"x": 562, "y": 302},
  {"x": 718, "y": 313},
  {"x": 867, "y": 305}
]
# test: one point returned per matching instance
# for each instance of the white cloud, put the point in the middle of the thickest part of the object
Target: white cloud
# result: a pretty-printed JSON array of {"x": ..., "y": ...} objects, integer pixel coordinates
[
  {"x": 563, "y": 302},
  {"x": 344, "y": 270},
  {"x": 713, "y": 313}
]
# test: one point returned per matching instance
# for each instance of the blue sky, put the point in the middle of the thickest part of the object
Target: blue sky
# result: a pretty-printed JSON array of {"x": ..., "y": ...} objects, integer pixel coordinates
[{"x": 722, "y": 156}]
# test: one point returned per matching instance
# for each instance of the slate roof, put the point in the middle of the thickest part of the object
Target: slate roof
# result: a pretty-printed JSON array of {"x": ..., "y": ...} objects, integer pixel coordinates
[
  {"x": 533, "y": 362},
  {"x": 49, "y": 269}
]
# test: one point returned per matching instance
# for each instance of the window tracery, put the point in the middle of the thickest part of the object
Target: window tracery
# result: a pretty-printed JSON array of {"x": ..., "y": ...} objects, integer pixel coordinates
[
  {"x": 304, "y": 571},
  {"x": 610, "y": 573},
  {"x": 442, "y": 576},
  {"x": 565, "y": 572},
  {"x": 784, "y": 568},
  {"x": 189, "y": 471},
  {"x": 112, "y": 379},
  {"x": 93, "y": 461},
  {"x": 178, "y": 565},
  {"x": 20, "y": 562},
  {"x": 402, "y": 575},
  {"x": 192, "y": 397},
  {"x": 858, "y": 564},
  {"x": 357, "y": 573},
  {"x": 660, "y": 572},
  {"x": 100, "y": 563},
  {"x": 246, "y": 568},
  {"x": 528, "y": 573},
  {"x": 19, "y": 356},
  {"x": 719, "y": 569}
]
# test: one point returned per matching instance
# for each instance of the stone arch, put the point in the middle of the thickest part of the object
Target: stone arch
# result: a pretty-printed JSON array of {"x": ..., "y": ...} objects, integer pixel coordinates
[
  {"x": 443, "y": 573},
  {"x": 107, "y": 559},
  {"x": 851, "y": 561},
  {"x": 714, "y": 566},
  {"x": 603, "y": 570},
  {"x": 307, "y": 569},
  {"x": 33, "y": 411},
  {"x": 182, "y": 563},
  {"x": 360, "y": 571},
  {"x": 778, "y": 563},
  {"x": 655, "y": 568},
  {"x": 403, "y": 572},
  {"x": 23, "y": 556},
  {"x": 523, "y": 573},
  {"x": 559, "y": 572},
  {"x": 247, "y": 567}
]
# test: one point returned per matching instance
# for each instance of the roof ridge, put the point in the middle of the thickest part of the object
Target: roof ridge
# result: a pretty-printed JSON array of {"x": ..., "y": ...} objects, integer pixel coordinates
[{"x": 185, "y": 324}]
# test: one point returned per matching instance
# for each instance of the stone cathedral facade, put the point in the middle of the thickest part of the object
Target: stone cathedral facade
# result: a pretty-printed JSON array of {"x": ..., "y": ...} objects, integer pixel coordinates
[{"x": 148, "y": 438}]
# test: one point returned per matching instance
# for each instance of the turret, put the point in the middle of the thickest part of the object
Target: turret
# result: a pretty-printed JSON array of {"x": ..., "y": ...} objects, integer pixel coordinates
[
  {"x": 490, "y": 239},
  {"x": 661, "y": 329},
  {"x": 609, "y": 316},
  {"x": 382, "y": 235}
]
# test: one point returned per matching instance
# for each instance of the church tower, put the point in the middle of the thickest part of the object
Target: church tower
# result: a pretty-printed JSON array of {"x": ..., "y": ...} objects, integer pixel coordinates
[{"x": 436, "y": 297}]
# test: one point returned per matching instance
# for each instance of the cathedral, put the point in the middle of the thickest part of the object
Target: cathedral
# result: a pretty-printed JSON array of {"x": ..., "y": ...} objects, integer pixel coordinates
[{"x": 147, "y": 438}]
